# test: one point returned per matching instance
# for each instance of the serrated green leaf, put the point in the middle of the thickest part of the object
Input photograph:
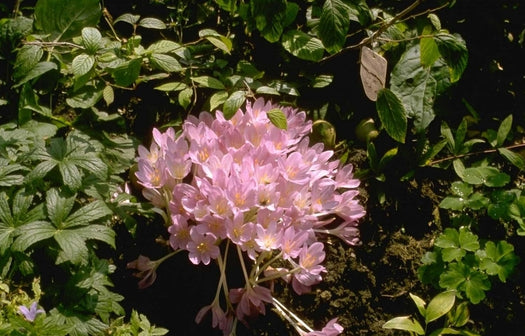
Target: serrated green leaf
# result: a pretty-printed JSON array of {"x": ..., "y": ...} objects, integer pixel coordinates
[
  {"x": 418, "y": 87},
  {"x": 233, "y": 103},
  {"x": 503, "y": 130},
  {"x": 73, "y": 246},
  {"x": 404, "y": 323},
  {"x": 428, "y": 47},
  {"x": 32, "y": 233},
  {"x": 499, "y": 259},
  {"x": 454, "y": 51},
  {"x": 38, "y": 70},
  {"x": 127, "y": 73},
  {"x": 91, "y": 39},
  {"x": 152, "y": 23},
  {"x": 128, "y": 18},
  {"x": 58, "y": 206},
  {"x": 86, "y": 97},
  {"x": 514, "y": 158},
  {"x": 302, "y": 45},
  {"x": 209, "y": 82},
  {"x": 277, "y": 117},
  {"x": 269, "y": 17},
  {"x": 27, "y": 58},
  {"x": 63, "y": 19},
  {"x": 165, "y": 62},
  {"x": 185, "y": 96},
  {"x": 163, "y": 47},
  {"x": 217, "y": 99},
  {"x": 87, "y": 214},
  {"x": 82, "y": 64},
  {"x": 108, "y": 94},
  {"x": 172, "y": 86},
  {"x": 475, "y": 286},
  {"x": 71, "y": 175},
  {"x": 434, "y": 19},
  {"x": 392, "y": 114},
  {"x": 461, "y": 189},
  {"x": 440, "y": 305},
  {"x": 333, "y": 24},
  {"x": 467, "y": 240}
]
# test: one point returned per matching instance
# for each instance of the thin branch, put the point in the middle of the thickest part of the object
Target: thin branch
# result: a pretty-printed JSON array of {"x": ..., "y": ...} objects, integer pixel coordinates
[
  {"x": 54, "y": 44},
  {"x": 486, "y": 151}
]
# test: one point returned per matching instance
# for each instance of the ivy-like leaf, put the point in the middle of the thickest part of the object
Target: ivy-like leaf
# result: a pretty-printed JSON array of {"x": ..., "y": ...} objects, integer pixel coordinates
[{"x": 498, "y": 259}]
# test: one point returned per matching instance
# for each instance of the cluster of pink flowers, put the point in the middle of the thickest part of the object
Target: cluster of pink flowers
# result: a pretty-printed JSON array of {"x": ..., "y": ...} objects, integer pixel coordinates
[{"x": 262, "y": 188}]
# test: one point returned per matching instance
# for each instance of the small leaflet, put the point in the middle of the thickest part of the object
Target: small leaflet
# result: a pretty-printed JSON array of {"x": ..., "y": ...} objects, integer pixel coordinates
[{"x": 373, "y": 72}]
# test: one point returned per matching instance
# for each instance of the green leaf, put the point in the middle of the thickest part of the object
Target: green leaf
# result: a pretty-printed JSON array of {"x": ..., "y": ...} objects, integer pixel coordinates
[
  {"x": 475, "y": 286},
  {"x": 233, "y": 103},
  {"x": 108, "y": 94},
  {"x": 172, "y": 86},
  {"x": 163, "y": 46},
  {"x": 91, "y": 39},
  {"x": 27, "y": 58},
  {"x": 333, "y": 24},
  {"x": 37, "y": 71},
  {"x": 418, "y": 86},
  {"x": 152, "y": 23},
  {"x": 217, "y": 99},
  {"x": 455, "y": 244},
  {"x": 404, "y": 323},
  {"x": 88, "y": 213},
  {"x": 461, "y": 189},
  {"x": 514, "y": 158},
  {"x": 32, "y": 233},
  {"x": 392, "y": 114},
  {"x": 277, "y": 117},
  {"x": 128, "y": 18},
  {"x": 86, "y": 97},
  {"x": 82, "y": 64},
  {"x": 58, "y": 206},
  {"x": 462, "y": 278},
  {"x": 63, "y": 19},
  {"x": 209, "y": 82},
  {"x": 503, "y": 131},
  {"x": 184, "y": 97},
  {"x": 270, "y": 16},
  {"x": 218, "y": 40},
  {"x": 453, "y": 203},
  {"x": 165, "y": 62},
  {"x": 440, "y": 305},
  {"x": 489, "y": 176},
  {"x": 127, "y": 73},
  {"x": 302, "y": 45},
  {"x": 420, "y": 304},
  {"x": 454, "y": 51},
  {"x": 428, "y": 47},
  {"x": 498, "y": 259}
]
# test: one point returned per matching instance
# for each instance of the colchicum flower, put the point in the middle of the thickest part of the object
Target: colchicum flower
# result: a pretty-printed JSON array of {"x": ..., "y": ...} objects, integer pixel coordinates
[
  {"x": 261, "y": 189},
  {"x": 30, "y": 313}
]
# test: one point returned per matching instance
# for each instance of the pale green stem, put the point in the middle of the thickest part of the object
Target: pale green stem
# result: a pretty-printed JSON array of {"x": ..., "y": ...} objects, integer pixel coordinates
[
  {"x": 243, "y": 266},
  {"x": 265, "y": 266},
  {"x": 300, "y": 326},
  {"x": 278, "y": 275}
]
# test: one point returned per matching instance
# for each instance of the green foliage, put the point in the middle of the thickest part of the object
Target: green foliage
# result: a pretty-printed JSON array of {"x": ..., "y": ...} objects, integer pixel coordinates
[
  {"x": 442, "y": 304},
  {"x": 460, "y": 262}
]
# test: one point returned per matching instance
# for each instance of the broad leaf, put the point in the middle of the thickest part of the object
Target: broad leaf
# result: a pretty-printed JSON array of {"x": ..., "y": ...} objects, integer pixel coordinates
[
  {"x": 218, "y": 40},
  {"x": 63, "y": 19},
  {"x": 82, "y": 64},
  {"x": 132, "y": 19},
  {"x": 420, "y": 304},
  {"x": 454, "y": 51},
  {"x": 27, "y": 58},
  {"x": 233, "y": 103},
  {"x": 152, "y": 23},
  {"x": 38, "y": 70},
  {"x": 440, "y": 305},
  {"x": 270, "y": 17},
  {"x": 277, "y": 118},
  {"x": 498, "y": 259},
  {"x": 404, "y": 323},
  {"x": 392, "y": 114},
  {"x": 302, "y": 45},
  {"x": 333, "y": 24},
  {"x": 514, "y": 158},
  {"x": 418, "y": 86},
  {"x": 165, "y": 62},
  {"x": 428, "y": 47},
  {"x": 32, "y": 233},
  {"x": 185, "y": 96},
  {"x": 209, "y": 82},
  {"x": 86, "y": 214},
  {"x": 91, "y": 39},
  {"x": 163, "y": 46},
  {"x": 172, "y": 86},
  {"x": 127, "y": 73},
  {"x": 489, "y": 176}
]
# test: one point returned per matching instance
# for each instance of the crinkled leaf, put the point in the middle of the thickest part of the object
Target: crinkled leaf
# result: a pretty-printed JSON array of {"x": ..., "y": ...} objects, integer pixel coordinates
[
  {"x": 165, "y": 62},
  {"x": 38, "y": 70},
  {"x": 392, "y": 114},
  {"x": 82, "y": 64},
  {"x": 406, "y": 323},
  {"x": 418, "y": 86},
  {"x": 454, "y": 51},
  {"x": 127, "y": 73},
  {"x": 514, "y": 158},
  {"x": 58, "y": 206},
  {"x": 163, "y": 46},
  {"x": 270, "y": 17},
  {"x": 333, "y": 24},
  {"x": 209, "y": 82},
  {"x": 63, "y": 19},
  {"x": 440, "y": 305},
  {"x": 91, "y": 39},
  {"x": 233, "y": 103},
  {"x": 302, "y": 45},
  {"x": 10, "y": 173},
  {"x": 152, "y": 23}
]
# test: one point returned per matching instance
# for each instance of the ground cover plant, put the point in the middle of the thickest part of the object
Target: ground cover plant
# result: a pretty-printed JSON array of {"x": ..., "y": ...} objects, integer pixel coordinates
[{"x": 261, "y": 167}]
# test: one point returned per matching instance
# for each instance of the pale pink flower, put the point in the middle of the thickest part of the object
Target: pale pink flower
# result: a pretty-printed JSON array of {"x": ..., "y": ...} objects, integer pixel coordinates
[
  {"x": 250, "y": 301},
  {"x": 219, "y": 318},
  {"x": 292, "y": 242},
  {"x": 146, "y": 271},
  {"x": 179, "y": 232},
  {"x": 310, "y": 259},
  {"x": 332, "y": 328},
  {"x": 202, "y": 247},
  {"x": 268, "y": 238}
]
